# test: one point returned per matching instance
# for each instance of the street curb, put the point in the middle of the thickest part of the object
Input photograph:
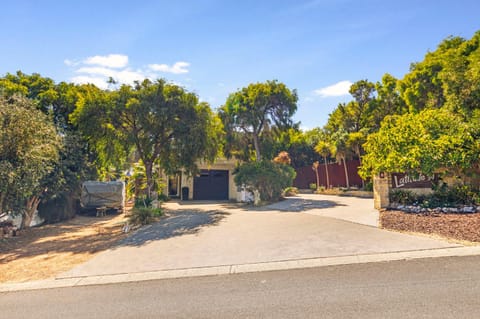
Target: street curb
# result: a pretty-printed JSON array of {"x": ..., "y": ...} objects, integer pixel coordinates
[{"x": 241, "y": 268}]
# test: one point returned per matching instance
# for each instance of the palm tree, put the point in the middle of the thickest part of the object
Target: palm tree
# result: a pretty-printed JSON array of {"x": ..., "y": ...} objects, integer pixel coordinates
[
  {"x": 340, "y": 151},
  {"x": 315, "y": 168},
  {"x": 324, "y": 149}
]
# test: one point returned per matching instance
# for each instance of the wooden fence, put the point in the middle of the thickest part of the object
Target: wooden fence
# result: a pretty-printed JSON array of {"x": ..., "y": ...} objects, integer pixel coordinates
[{"x": 336, "y": 173}]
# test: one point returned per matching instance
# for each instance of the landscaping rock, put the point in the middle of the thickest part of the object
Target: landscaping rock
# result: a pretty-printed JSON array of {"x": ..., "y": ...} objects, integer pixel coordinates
[
  {"x": 469, "y": 209},
  {"x": 457, "y": 226}
]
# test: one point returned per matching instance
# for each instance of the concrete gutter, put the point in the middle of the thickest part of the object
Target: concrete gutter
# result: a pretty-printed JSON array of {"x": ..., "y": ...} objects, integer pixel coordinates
[{"x": 241, "y": 268}]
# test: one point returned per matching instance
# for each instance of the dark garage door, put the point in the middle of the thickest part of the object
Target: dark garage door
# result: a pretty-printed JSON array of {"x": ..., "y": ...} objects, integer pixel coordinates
[{"x": 211, "y": 185}]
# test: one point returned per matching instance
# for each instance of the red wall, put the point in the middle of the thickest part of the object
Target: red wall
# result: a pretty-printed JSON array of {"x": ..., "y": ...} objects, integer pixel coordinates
[{"x": 336, "y": 173}]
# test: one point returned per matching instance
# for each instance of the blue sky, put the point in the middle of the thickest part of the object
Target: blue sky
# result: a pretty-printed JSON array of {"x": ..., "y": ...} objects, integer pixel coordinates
[{"x": 215, "y": 47}]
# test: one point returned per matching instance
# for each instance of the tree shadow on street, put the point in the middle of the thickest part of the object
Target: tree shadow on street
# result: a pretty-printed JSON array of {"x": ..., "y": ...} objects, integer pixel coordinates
[{"x": 175, "y": 223}]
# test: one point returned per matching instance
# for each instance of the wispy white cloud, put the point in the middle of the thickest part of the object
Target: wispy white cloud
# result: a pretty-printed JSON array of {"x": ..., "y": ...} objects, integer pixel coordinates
[
  {"x": 99, "y": 69},
  {"x": 70, "y": 62},
  {"x": 177, "y": 68},
  {"x": 110, "y": 61},
  {"x": 338, "y": 89},
  {"x": 88, "y": 79}
]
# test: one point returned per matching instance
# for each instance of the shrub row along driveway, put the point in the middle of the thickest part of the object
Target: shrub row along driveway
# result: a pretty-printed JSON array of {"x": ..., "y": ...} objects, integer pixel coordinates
[{"x": 196, "y": 234}]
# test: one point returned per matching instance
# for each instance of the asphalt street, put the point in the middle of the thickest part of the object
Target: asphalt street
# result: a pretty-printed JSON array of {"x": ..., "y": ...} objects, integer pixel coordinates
[{"x": 422, "y": 288}]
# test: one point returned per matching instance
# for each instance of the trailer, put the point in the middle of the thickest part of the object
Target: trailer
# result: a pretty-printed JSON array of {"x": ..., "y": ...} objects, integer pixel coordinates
[{"x": 102, "y": 196}]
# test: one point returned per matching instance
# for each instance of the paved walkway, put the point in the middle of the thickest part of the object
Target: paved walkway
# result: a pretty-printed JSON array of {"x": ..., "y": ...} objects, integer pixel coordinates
[
  {"x": 356, "y": 210},
  {"x": 199, "y": 235}
]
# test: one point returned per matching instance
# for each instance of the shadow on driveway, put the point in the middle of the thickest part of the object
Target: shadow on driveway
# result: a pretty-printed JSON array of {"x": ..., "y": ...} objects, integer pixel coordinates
[
  {"x": 296, "y": 204},
  {"x": 176, "y": 223}
]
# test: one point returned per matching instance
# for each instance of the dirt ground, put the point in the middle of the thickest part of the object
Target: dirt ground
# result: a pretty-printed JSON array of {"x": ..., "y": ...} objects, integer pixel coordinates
[
  {"x": 461, "y": 227},
  {"x": 45, "y": 251}
]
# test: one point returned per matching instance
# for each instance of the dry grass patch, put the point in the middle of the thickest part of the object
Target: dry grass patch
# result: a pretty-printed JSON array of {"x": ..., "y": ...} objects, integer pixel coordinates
[{"x": 43, "y": 252}]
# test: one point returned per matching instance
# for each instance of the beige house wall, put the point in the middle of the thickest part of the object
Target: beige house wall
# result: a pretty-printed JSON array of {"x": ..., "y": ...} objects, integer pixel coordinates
[{"x": 220, "y": 164}]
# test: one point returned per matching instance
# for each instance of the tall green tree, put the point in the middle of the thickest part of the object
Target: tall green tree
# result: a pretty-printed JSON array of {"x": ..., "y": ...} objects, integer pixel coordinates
[
  {"x": 422, "y": 88},
  {"x": 57, "y": 102},
  {"x": 29, "y": 147},
  {"x": 258, "y": 108},
  {"x": 360, "y": 110},
  {"x": 427, "y": 142},
  {"x": 324, "y": 148},
  {"x": 341, "y": 151},
  {"x": 161, "y": 122},
  {"x": 388, "y": 100},
  {"x": 92, "y": 118}
]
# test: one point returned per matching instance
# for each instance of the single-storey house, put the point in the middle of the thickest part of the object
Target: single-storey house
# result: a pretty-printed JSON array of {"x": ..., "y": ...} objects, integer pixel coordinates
[{"x": 213, "y": 182}]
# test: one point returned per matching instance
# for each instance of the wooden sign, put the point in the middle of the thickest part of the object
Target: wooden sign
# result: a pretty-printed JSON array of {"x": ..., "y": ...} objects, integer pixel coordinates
[{"x": 402, "y": 180}]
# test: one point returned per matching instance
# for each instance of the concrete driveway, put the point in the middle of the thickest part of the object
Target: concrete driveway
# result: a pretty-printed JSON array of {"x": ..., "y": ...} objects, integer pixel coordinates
[{"x": 202, "y": 234}]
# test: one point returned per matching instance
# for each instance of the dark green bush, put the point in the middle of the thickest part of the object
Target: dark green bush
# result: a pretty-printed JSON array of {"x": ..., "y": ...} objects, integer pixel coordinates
[
  {"x": 442, "y": 196},
  {"x": 144, "y": 215},
  {"x": 402, "y": 197},
  {"x": 163, "y": 198},
  {"x": 456, "y": 195},
  {"x": 143, "y": 201},
  {"x": 368, "y": 186},
  {"x": 268, "y": 178}
]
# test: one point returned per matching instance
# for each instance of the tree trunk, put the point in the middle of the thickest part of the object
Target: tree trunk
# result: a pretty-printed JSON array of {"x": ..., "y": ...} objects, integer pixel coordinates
[
  {"x": 346, "y": 172},
  {"x": 149, "y": 174},
  {"x": 258, "y": 156},
  {"x": 2, "y": 198},
  {"x": 30, "y": 209},
  {"x": 360, "y": 164},
  {"x": 318, "y": 177},
  {"x": 326, "y": 172}
]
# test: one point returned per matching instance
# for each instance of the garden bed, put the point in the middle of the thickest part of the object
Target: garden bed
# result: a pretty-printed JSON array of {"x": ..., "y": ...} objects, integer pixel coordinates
[{"x": 456, "y": 226}]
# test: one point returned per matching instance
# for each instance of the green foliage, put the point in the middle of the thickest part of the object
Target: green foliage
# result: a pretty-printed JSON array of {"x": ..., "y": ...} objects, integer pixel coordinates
[
  {"x": 448, "y": 81},
  {"x": 447, "y": 77},
  {"x": 368, "y": 186},
  {"x": 255, "y": 111},
  {"x": 456, "y": 195},
  {"x": 423, "y": 143},
  {"x": 268, "y": 178},
  {"x": 163, "y": 123},
  {"x": 73, "y": 165},
  {"x": 142, "y": 212},
  {"x": 442, "y": 196},
  {"x": 312, "y": 186},
  {"x": 39, "y": 89},
  {"x": 29, "y": 149},
  {"x": 324, "y": 148},
  {"x": 143, "y": 201},
  {"x": 290, "y": 191},
  {"x": 144, "y": 215},
  {"x": 137, "y": 182},
  {"x": 92, "y": 119},
  {"x": 298, "y": 144},
  {"x": 403, "y": 197},
  {"x": 163, "y": 197}
]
